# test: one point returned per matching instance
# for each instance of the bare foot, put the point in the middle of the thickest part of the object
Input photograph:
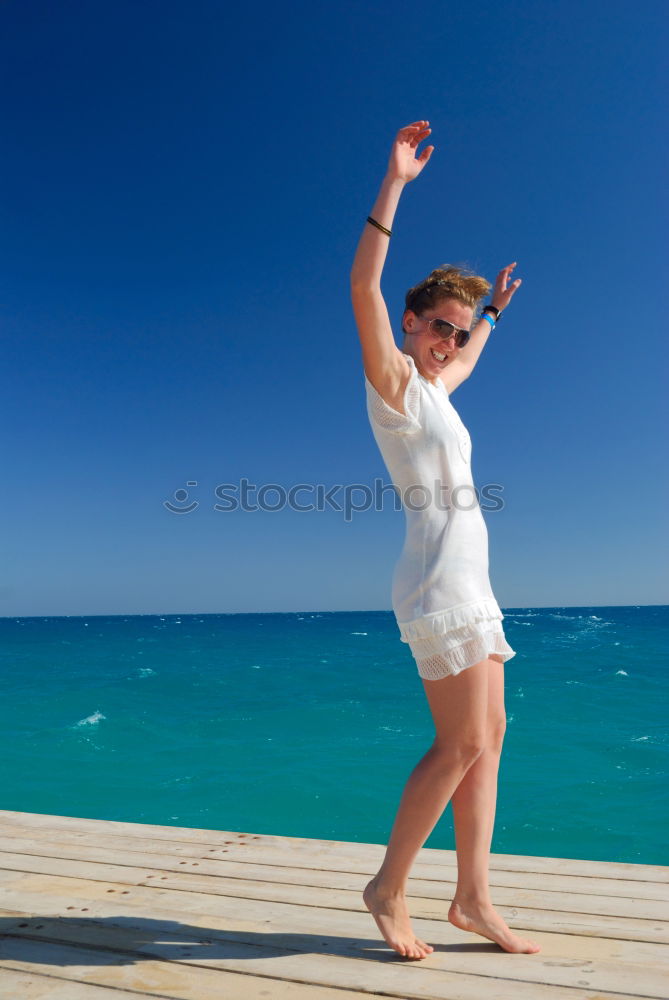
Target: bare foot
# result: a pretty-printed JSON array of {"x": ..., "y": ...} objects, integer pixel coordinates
[
  {"x": 486, "y": 921},
  {"x": 392, "y": 919}
]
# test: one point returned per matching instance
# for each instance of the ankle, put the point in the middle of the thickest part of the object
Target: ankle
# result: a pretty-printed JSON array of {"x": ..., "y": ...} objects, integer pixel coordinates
[
  {"x": 385, "y": 889},
  {"x": 481, "y": 901}
]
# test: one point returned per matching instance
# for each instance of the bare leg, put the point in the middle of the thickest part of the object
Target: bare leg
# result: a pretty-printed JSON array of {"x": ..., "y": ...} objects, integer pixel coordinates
[
  {"x": 459, "y": 708},
  {"x": 473, "y": 803}
]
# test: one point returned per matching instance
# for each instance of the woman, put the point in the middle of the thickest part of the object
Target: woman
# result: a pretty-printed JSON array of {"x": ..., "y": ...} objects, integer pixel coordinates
[{"x": 443, "y": 603}]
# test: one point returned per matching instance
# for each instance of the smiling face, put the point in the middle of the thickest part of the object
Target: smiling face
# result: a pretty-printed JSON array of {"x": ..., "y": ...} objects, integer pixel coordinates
[{"x": 420, "y": 341}]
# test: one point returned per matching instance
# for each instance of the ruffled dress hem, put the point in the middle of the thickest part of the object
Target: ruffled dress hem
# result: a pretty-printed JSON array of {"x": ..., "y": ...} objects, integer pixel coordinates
[{"x": 447, "y": 642}]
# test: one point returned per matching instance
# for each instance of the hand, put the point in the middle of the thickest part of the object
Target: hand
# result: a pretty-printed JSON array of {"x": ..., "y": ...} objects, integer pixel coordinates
[
  {"x": 502, "y": 295},
  {"x": 403, "y": 165}
]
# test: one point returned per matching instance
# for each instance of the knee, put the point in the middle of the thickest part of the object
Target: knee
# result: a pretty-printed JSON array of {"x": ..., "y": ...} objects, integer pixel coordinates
[
  {"x": 468, "y": 745},
  {"x": 496, "y": 732},
  {"x": 464, "y": 747}
]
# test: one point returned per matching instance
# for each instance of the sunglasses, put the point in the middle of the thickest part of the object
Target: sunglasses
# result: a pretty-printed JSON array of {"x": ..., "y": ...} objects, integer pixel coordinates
[{"x": 442, "y": 328}]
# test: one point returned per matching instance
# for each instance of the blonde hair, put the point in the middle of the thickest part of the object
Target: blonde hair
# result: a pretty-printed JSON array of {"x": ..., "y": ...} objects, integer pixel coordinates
[{"x": 451, "y": 281}]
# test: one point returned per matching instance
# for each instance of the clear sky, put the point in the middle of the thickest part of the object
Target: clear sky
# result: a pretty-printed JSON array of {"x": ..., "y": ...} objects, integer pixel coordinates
[{"x": 183, "y": 190}]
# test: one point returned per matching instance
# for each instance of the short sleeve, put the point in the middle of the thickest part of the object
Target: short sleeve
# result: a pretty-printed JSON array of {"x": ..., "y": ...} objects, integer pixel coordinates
[{"x": 385, "y": 417}]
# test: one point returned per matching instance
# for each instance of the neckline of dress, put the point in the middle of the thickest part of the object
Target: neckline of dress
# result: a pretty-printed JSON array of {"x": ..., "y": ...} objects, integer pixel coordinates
[{"x": 435, "y": 385}]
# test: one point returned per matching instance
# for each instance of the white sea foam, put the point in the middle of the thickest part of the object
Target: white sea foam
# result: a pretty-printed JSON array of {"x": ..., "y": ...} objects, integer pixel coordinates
[{"x": 92, "y": 720}]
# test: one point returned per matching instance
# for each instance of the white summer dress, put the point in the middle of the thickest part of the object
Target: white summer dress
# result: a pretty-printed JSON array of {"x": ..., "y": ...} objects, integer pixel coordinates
[{"x": 441, "y": 594}]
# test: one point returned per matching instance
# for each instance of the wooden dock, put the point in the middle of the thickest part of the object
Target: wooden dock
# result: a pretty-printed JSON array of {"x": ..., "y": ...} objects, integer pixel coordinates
[{"x": 100, "y": 910}]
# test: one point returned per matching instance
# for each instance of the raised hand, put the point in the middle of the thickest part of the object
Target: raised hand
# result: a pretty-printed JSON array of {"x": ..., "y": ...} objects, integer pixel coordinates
[
  {"x": 502, "y": 294},
  {"x": 403, "y": 163}
]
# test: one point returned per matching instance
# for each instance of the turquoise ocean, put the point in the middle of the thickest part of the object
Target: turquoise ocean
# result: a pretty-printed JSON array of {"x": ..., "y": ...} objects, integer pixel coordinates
[{"x": 308, "y": 724}]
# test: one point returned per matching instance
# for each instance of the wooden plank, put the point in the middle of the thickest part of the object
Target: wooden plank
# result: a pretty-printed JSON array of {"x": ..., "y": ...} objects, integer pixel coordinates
[
  {"x": 171, "y": 912},
  {"x": 55, "y": 971},
  {"x": 104, "y": 952},
  {"x": 31, "y": 986},
  {"x": 324, "y": 848},
  {"x": 273, "y": 866},
  {"x": 150, "y": 920},
  {"x": 208, "y": 879}
]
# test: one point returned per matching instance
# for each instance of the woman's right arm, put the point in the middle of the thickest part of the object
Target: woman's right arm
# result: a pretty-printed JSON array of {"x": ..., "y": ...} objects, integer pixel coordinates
[{"x": 384, "y": 366}]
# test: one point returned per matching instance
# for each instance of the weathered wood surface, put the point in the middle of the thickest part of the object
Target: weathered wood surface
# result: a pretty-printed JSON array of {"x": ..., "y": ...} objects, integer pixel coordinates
[{"x": 89, "y": 906}]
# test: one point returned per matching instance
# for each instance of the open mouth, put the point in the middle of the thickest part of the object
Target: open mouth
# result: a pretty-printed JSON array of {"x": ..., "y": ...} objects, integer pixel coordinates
[{"x": 438, "y": 356}]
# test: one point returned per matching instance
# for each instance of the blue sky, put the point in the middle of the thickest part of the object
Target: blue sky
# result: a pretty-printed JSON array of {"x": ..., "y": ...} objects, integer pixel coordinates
[{"x": 184, "y": 187}]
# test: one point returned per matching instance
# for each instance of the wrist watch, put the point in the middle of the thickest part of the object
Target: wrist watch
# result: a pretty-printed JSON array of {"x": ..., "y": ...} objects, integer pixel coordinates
[{"x": 493, "y": 309}]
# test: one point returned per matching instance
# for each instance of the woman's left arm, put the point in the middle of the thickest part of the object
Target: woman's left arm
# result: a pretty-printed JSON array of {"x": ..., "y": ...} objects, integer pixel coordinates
[{"x": 501, "y": 296}]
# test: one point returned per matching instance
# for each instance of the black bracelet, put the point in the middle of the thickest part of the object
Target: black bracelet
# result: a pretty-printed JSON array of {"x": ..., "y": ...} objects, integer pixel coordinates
[
  {"x": 379, "y": 226},
  {"x": 495, "y": 310}
]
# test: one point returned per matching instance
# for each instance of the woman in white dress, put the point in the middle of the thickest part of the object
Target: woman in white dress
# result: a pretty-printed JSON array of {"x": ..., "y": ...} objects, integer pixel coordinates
[{"x": 443, "y": 603}]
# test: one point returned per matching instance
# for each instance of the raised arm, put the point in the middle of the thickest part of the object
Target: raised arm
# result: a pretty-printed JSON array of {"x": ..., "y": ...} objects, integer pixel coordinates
[
  {"x": 502, "y": 294},
  {"x": 382, "y": 360}
]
